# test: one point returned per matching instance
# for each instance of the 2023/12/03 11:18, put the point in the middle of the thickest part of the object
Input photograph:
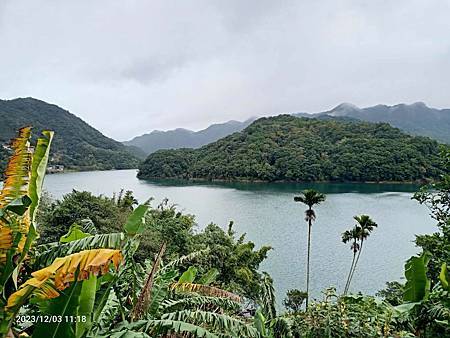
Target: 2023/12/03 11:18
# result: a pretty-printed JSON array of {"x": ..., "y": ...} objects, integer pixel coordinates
[{"x": 50, "y": 319}]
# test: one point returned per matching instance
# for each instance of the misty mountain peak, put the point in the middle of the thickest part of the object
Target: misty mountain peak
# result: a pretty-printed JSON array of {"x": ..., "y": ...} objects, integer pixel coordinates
[
  {"x": 343, "y": 109},
  {"x": 419, "y": 104}
]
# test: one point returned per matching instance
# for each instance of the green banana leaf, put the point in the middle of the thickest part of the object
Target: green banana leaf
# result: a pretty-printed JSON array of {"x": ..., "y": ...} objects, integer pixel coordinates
[
  {"x": 136, "y": 221},
  {"x": 417, "y": 287}
]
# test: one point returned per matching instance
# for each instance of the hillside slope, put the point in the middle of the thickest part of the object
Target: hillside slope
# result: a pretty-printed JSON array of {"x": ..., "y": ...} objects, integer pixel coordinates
[
  {"x": 77, "y": 145},
  {"x": 300, "y": 149},
  {"x": 415, "y": 119},
  {"x": 184, "y": 138}
]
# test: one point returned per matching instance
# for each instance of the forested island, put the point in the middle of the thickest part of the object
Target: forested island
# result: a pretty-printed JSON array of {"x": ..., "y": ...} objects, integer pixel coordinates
[{"x": 287, "y": 148}]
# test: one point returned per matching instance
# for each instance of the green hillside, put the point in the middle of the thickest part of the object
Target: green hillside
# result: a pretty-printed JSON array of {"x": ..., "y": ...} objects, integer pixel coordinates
[
  {"x": 286, "y": 148},
  {"x": 76, "y": 145}
]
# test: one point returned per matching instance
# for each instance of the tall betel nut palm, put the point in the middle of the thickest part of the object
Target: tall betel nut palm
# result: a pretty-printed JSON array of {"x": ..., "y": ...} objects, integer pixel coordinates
[{"x": 311, "y": 198}]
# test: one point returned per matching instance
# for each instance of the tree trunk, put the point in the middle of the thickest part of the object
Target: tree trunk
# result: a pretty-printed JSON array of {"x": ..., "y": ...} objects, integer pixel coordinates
[
  {"x": 354, "y": 267},
  {"x": 308, "y": 258},
  {"x": 349, "y": 273}
]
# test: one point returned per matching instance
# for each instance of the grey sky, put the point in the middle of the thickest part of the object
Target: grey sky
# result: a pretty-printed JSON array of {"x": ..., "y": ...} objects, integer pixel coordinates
[{"x": 128, "y": 67}]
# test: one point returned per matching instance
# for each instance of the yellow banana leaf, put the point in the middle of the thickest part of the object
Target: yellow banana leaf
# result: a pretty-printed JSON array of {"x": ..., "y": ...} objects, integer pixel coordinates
[
  {"x": 18, "y": 170},
  {"x": 23, "y": 180},
  {"x": 15, "y": 185},
  {"x": 58, "y": 276}
]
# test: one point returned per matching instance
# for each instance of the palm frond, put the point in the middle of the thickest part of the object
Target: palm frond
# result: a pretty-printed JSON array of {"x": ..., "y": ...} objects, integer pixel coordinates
[
  {"x": 160, "y": 291},
  {"x": 310, "y": 197},
  {"x": 215, "y": 321},
  {"x": 268, "y": 297},
  {"x": 200, "y": 302},
  {"x": 88, "y": 226},
  {"x": 185, "y": 259},
  {"x": 167, "y": 327},
  {"x": 205, "y": 290},
  {"x": 280, "y": 327},
  {"x": 109, "y": 312}
]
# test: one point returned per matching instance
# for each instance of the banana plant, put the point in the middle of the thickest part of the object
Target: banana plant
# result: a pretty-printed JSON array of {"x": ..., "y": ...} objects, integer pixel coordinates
[
  {"x": 266, "y": 321},
  {"x": 173, "y": 303},
  {"x": 421, "y": 303},
  {"x": 19, "y": 200},
  {"x": 90, "y": 282},
  {"x": 417, "y": 287},
  {"x": 73, "y": 278},
  {"x": 444, "y": 277}
]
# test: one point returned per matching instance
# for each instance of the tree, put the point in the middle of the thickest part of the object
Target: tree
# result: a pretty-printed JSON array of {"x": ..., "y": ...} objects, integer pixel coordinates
[
  {"x": 358, "y": 234},
  {"x": 310, "y": 198},
  {"x": 55, "y": 218},
  {"x": 392, "y": 293},
  {"x": 352, "y": 236},
  {"x": 127, "y": 200},
  {"x": 436, "y": 196},
  {"x": 236, "y": 259},
  {"x": 165, "y": 223},
  {"x": 294, "y": 300},
  {"x": 266, "y": 320}
]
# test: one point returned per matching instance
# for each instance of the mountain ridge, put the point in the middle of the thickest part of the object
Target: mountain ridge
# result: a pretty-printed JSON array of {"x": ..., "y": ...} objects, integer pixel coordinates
[
  {"x": 77, "y": 145},
  {"x": 416, "y": 118},
  {"x": 185, "y": 138}
]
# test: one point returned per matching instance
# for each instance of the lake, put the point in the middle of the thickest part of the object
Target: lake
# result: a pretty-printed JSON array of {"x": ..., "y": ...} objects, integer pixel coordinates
[{"x": 269, "y": 216}]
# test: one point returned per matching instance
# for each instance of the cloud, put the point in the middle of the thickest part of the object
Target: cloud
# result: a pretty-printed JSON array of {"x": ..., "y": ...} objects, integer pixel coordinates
[{"x": 131, "y": 67}]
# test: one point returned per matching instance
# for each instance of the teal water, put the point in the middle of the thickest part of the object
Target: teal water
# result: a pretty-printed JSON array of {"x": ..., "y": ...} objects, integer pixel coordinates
[{"x": 267, "y": 213}]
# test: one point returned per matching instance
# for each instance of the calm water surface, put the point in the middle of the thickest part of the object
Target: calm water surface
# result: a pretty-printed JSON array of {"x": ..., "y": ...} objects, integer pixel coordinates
[{"x": 267, "y": 213}]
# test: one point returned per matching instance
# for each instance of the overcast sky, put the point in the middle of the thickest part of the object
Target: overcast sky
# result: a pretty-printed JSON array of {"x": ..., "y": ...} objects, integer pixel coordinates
[{"x": 128, "y": 67}]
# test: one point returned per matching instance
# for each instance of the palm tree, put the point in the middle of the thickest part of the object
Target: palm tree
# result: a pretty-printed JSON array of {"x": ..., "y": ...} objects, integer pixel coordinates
[
  {"x": 364, "y": 227},
  {"x": 309, "y": 197},
  {"x": 352, "y": 236}
]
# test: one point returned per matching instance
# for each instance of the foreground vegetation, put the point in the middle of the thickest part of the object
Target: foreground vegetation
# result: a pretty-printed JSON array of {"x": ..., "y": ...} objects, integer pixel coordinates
[
  {"x": 108, "y": 267},
  {"x": 287, "y": 148}
]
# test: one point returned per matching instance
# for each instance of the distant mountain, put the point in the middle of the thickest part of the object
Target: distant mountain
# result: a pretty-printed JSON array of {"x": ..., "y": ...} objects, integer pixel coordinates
[
  {"x": 184, "y": 138},
  {"x": 287, "y": 148},
  {"x": 416, "y": 118},
  {"x": 77, "y": 145}
]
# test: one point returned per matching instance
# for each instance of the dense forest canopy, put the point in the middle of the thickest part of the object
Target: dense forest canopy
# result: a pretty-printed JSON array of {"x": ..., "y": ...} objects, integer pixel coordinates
[
  {"x": 299, "y": 149},
  {"x": 76, "y": 145}
]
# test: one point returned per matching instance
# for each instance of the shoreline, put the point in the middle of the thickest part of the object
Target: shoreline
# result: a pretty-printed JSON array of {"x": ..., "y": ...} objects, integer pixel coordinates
[{"x": 217, "y": 180}]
